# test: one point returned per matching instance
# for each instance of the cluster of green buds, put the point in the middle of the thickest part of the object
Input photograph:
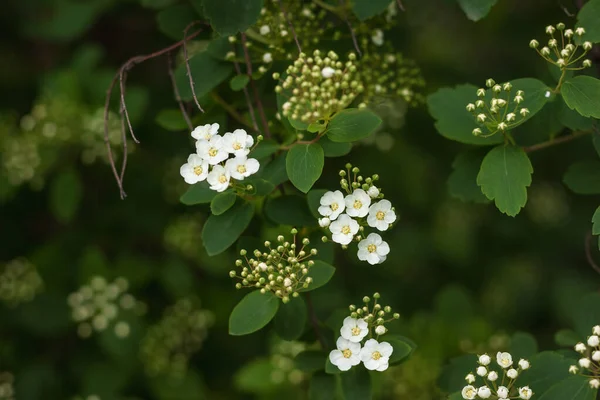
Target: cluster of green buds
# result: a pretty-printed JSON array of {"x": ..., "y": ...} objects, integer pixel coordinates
[
  {"x": 319, "y": 86},
  {"x": 168, "y": 345},
  {"x": 565, "y": 53},
  {"x": 282, "y": 357},
  {"x": 391, "y": 75},
  {"x": 351, "y": 179},
  {"x": 182, "y": 235},
  {"x": 503, "y": 111},
  {"x": 100, "y": 306},
  {"x": 374, "y": 314},
  {"x": 281, "y": 269},
  {"x": 92, "y": 136},
  {"x": 7, "y": 390},
  {"x": 19, "y": 282}
]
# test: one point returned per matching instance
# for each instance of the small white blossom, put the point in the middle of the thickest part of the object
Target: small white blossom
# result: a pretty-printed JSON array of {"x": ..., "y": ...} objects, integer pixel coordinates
[
  {"x": 568, "y": 33},
  {"x": 492, "y": 376},
  {"x": 596, "y": 330},
  {"x": 512, "y": 373},
  {"x": 573, "y": 369},
  {"x": 218, "y": 178},
  {"x": 594, "y": 383},
  {"x": 596, "y": 355},
  {"x": 504, "y": 359},
  {"x": 357, "y": 203},
  {"x": 376, "y": 356},
  {"x": 327, "y": 72},
  {"x": 502, "y": 392},
  {"x": 263, "y": 266},
  {"x": 381, "y": 215},
  {"x": 593, "y": 341},
  {"x": 373, "y": 192},
  {"x": 580, "y": 348},
  {"x": 347, "y": 354},
  {"x": 354, "y": 329},
  {"x": 380, "y": 330},
  {"x": 205, "y": 131},
  {"x": 373, "y": 249},
  {"x": 484, "y": 359},
  {"x": 469, "y": 392},
  {"x": 212, "y": 150},
  {"x": 550, "y": 29},
  {"x": 267, "y": 58},
  {"x": 587, "y": 46},
  {"x": 241, "y": 167},
  {"x": 484, "y": 392},
  {"x": 481, "y": 371},
  {"x": 264, "y": 30},
  {"x": 343, "y": 229},
  {"x": 524, "y": 364},
  {"x": 195, "y": 170},
  {"x": 332, "y": 205},
  {"x": 510, "y": 117},
  {"x": 470, "y": 378},
  {"x": 525, "y": 393},
  {"x": 237, "y": 142},
  {"x": 324, "y": 222},
  {"x": 287, "y": 282},
  {"x": 580, "y": 31},
  {"x": 584, "y": 362},
  {"x": 377, "y": 37}
]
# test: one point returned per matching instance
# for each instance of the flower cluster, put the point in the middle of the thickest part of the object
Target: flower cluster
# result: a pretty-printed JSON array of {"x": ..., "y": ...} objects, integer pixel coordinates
[
  {"x": 502, "y": 114},
  {"x": 590, "y": 362},
  {"x": 564, "y": 53},
  {"x": 281, "y": 269},
  {"x": 362, "y": 322},
  {"x": 98, "y": 305},
  {"x": 19, "y": 282},
  {"x": 346, "y": 215},
  {"x": 7, "y": 390},
  {"x": 319, "y": 86},
  {"x": 212, "y": 161},
  {"x": 505, "y": 388},
  {"x": 168, "y": 345}
]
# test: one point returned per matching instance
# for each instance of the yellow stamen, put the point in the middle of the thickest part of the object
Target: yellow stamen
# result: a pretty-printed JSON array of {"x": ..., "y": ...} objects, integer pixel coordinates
[
  {"x": 380, "y": 215},
  {"x": 198, "y": 170},
  {"x": 371, "y": 248},
  {"x": 222, "y": 178},
  {"x": 241, "y": 169},
  {"x": 376, "y": 355},
  {"x": 236, "y": 145},
  {"x": 212, "y": 152},
  {"x": 334, "y": 206},
  {"x": 355, "y": 331},
  {"x": 346, "y": 230},
  {"x": 357, "y": 204},
  {"x": 347, "y": 353}
]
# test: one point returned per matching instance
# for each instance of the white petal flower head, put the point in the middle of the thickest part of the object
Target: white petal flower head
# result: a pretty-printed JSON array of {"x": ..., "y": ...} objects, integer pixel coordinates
[
  {"x": 492, "y": 376},
  {"x": 195, "y": 170},
  {"x": 324, "y": 222},
  {"x": 267, "y": 58},
  {"x": 264, "y": 30},
  {"x": 354, "y": 329},
  {"x": 524, "y": 364},
  {"x": 347, "y": 354},
  {"x": 327, "y": 72},
  {"x": 469, "y": 392},
  {"x": 381, "y": 216},
  {"x": 580, "y": 348},
  {"x": 502, "y": 392},
  {"x": 237, "y": 142},
  {"x": 212, "y": 150},
  {"x": 373, "y": 249},
  {"x": 343, "y": 229},
  {"x": 241, "y": 167},
  {"x": 470, "y": 378},
  {"x": 218, "y": 178},
  {"x": 484, "y": 359},
  {"x": 377, "y": 37},
  {"x": 205, "y": 131},
  {"x": 596, "y": 330},
  {"x": 593, "y": 341},
  {"x": 481, "y": 370},
  {"x": 596, "y": 355},
  {"x": 357, "y": 203},
  {"x": 594, "y": 383},
  {"x": 332, "y": 204},
  {"x": 376, "y": 356},
  {"x": 504, "y": 359},
  {"x": 584, "y": 362},
  {"x": 484, "y": 392},
  {"x": 373, "y": 192},
  {"x": 573, "y": 369},
  {"x": 525, "y": 393},
  {"x": 512, "y": 373}
]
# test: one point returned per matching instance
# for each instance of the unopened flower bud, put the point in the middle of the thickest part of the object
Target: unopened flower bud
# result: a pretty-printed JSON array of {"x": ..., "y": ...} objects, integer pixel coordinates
[
  {"x": 534, "y": 44},
  {"x": 490, "y": 82},
  {"x": 380, "y": 330},
  {"x": 587, "y": 46},
  {"x": 580, "y": 31}
]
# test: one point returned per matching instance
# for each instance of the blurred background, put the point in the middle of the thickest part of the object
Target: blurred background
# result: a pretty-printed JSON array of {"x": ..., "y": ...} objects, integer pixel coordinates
[{"x": 463, "y": 276}]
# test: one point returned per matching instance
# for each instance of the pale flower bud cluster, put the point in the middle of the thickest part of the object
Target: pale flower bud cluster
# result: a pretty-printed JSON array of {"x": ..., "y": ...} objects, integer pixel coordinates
[
  {"x": 497, "y": 379},
  {"x": 7, "y": 389},
  {"x": 99, "y": 305},
  {"x": 19, "y": 282},
  {"x": 562, "y": 49},
  {"x": 589, "y": 363},
  {"x": 282, "y": 268},
  {"x": 347, "y": 216},
  {"x": 169, "y": 344},
  {"x": 496, "y": 110}
]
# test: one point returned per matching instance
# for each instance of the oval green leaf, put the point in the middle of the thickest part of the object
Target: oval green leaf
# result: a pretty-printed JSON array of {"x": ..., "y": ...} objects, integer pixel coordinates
[
  {"x": 320, "y": 273},
  {"x": 221, "y": 231},
  {"x": 199, "y": 193},
  {"x": 310, "y": 360},
  {"x": 290, "y": 319},
  {"x": 304, "y": 165},
  {"x": 171, "y": 120},
  {"x": 322, "y": 387},
  {"x": 582, "y": 94},
  {"x": 239, "y": 82},
  {"x": 403, "y": 347},
  {"x": 289, "y": 210},
  {"x": 253, "y": 313},
  {"x": 462, "y": 182},
  {"x": 229, "y": 17},
  {"x": 334, "y": 149},
  {"x": 573, "y": 388},
  {"x": 207, "y": 73},
  {"x": 352, "y": 124},
  {"x": 222, "y": 202},
  {"x": 583, "y": 177},
  {"x": 356, "y": 384}
]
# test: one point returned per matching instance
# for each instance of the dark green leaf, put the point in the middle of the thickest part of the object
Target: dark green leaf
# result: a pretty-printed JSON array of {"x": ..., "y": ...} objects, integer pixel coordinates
[
  {"x": 566, "y": 338},
  {"x": 573, "y": 388},
  {"x": 356, "y": 384},
  {"x": 199, "y": 193},
  {"x": 476, "y": 9},
  {"x": 310, "y": 361},
  {"x": 239, "y": 82},
  {"x": 314, "y": 201},
  {"x": 334, "y": 149},
  {"x": 173, "y": 20},
  {"x": 330, "y": 368},
  {"x": 462, "y": 182},
  {"x": 588, "y": 18},
  {"x": 583, "y": 177},
  {"x": 586, "y": 314},
  {"x": 261, "y": 186},
  {"x": 370, "y": 8},
  {"x": 221, "y": 231},
  {"x": 229, "y": 17},
  {"x": 222, "y": 202},
  {"x": 322, "y": 387},
  {"x": 523, "y": 345},
  {"x": 289, "y": 210},
  {"x": 452, "y": 377},
  {"x": 403, "y": 348},
  {"x": 352, "y": 124},
  {"x": 253, "y": 313},
  {"x": 573, "y": 120},
  {"x": 504, "y": 177},
  {"x": 304, "y": 165},
  {"x": 582, "y": 94},
  {"x": 596, "y": 142},
  {"x": 66, "y": 192},
  {"x": 171, "y": 120},
  {"x": 255, "y": 377},
  {"x": 156, "y": 4},
  {"x": 275, "y": 171},
  {"x": 596, "y": 222},
  {"x": 290, "y": 319},
  {"x": 321, "y": 273},
  {"x": 207, "y": 74},
  {"x": 264, "y": 149}
]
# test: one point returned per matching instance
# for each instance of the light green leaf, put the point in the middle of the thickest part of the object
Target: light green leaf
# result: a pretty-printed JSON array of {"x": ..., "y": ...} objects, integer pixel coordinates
[
  {"x": 523, "y": 345},
  {"x": 596, "y": 222},
  {"x": 588, "y": 18},
  {"x": 289, "y": 210},
  {"x": 171, "y": 120},
  {"x": 334, "y": 149},
  {"x": 504, "y": 177},
  {"x": 583, "y": 177},
  {"x": 365, "y": 9},
  {"x": 290, "y": 319},
  {"x": 253, "y": 313},
  {"x": 66, "y": 192},
  {"x": 320, "y": 273},
  {"x": 573, "y": 388},
  {"x": 239, "y": 82},
  {"x": 255, "y": 377},
  {"x": 229, "y": 17},
  {"x": 352, "y": 124},
  {"x": 462, "y": 182},
  {"x": 222, "y": 202},
  {"x": 322, "y": 387},
  {"x": 173, "y": 20},
  {"x": 310, "y": 360},
  {"x": 476, "y": 9},
  {"x": 304, "y": 165},
  {"x": 582, "y": 94},
  {"x": 199, "y": 193},
  {"x": 221, "y": 231},
  {"x": 207, "y": 74},
  {"x": 356, "y": 384},
  {"x": 403, "y": 347}
]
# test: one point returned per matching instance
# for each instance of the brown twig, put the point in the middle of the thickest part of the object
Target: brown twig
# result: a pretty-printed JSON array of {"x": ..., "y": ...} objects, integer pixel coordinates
[
  {"x": 186, "y": 117},
  {"x": 345, "y": 16},
  {"x": 289, "y": 22},
  {"x": 553, "y": 142},
  {"x": 123, "y": 107},
  {"x": 247, "y": 96},
  {"x": 187, "y": 64},
  {"x": 314, "y": 321},
  {"x": 400, "y": 6},
  {"x": 259, "y": 105},
  {"x": 107, "y": 140},
  {"x": 588, "y": 252}
]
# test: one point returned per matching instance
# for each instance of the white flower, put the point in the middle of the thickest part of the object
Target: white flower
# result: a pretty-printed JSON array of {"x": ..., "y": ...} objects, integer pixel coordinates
[
  {"x": 484, "y": 359},
  {"x": 580, "y": 348},
  {"x": 596, "y": 355},
  {"x": 512, "y": 373},
  {"x": 357, "y": 203},
  {"x": 347, "y": 354},
  {"x": 492, "y": 376},
  {"x": 481, "y": 371},
  {"x": 332, "y": 204},
  {"x": 524, "y": 364},
  {"x": 287, "y": 282},
  {"x": 375, "y": 355},
  {"x": 525, "y": 393},
  {"x": 241, "y": 167},
  {"x": 267, "y": 58},
  {"x": 381, "y": 216},
  {"x": 354, "y": 329},
  {"x": 502, "y": 392},
  {"x": 504, "y": 359},
  {"x": 580, "y": 31},
  {"x": 195, "y": 170},
  {"x": 593, "y": 341},
  {"x": 327, "y": 72},
  {"x": 263, "y": 266},
  {"x": 212, "y": 150},
  {"x": 377, "y": 37},
  {"x": 218, "y": 178},
  {"x": 373, "y": 192},
  {"x": 237, "y": 142},
  {"x": 596, "y": 330},
  {"x": 484, "y": 392},
  {"x": 264, "y": 30},
  {"x": 380, "y": 330},
  {"x": 373, "y": 249},
  {"x": 573, "y": 369},
  {"x": 343, "y": 229},
  {"x": 469, "y": 392},
  {"x": 584, "y": 362},
  {"x": 324, "y": 222},
  {"x": 205, "y": 131},
  {"x": 470, "y": 378},
  {"x": 594, "y": 383}
]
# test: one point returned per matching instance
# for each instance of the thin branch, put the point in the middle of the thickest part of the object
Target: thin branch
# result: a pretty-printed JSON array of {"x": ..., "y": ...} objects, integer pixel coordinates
[
  {"x": 285, "y": 15},
  {"x": 188, "y": 121},
  {"x": 259, "y": 105},
  {"x": 588, "y": 252},
  {"x": 314, "y": 321},
  {"x": 187, "y": 63},
  {"x": 247, "y": 96},
  {"x": 123, "y": 108},
  {"x": 553, "y": 142},
  {"x": 400, "y": 6},
  {"x": 345, "y": 16},
  {"x": 107, "y": 140}
]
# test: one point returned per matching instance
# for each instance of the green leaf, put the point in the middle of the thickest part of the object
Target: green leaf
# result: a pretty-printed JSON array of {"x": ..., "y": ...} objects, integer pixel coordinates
[
  {"x": 320, "y": 273},
  {"x": 573, "y": 388},
  {"x": 476, "y": 9},
  {"x": 547, "y": 368},
  {"x": 504, "y": 177},
  {"x": 261, "y": 186},
  {"x": 199, "y": 193},
  {"x": 239, "y": 82},
  {"x": 356, "y": 384},
  {"x": 453, "y": 375},
  {"x": 289, "y": 210},
  {"x": 310, "y": 361},
  {"x": 304, "y": 165},
  {"x": 330, "y": 368},
  {"x": 523, "y": 345},
  {"x": 370, "y": 8},
  {"x": 290, "y": 319},
  {"x": 171, "y": 120},
  {"x": 156, "y": 4},
  {"x": 573, "y": 120},
  {"x": 229, "y": 17},
  {"x": 596, "y": 222},
  {"x": 403, "y": 348},
  {"x": 66, "y": 193},
  {"x": 264, "y": 149},
  {"x": 334, "y": 149},
  {"x": 462, "y": 182},
  {"x": 583, "y": 177},
  {"x": 255, "y": 377},
  {"x": 566, "y": 338},
  {"x": 582, "y": 94},
  {"x": 352, "y": 124},
  {"x": 222, "y": 202},
  {"x": 322, "y": 387},
  {"x": 588, "y": 18},
  {"x": 173, "y": 20},
  {"x": 221, "y": 231},
  {"x": 275, "y": 171},
  {"x": 586, "y": 314},
  {"x": 253, "y": 313},
  {"x": 314, "y": 201},
  {"x": 207, "y": 74}
]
